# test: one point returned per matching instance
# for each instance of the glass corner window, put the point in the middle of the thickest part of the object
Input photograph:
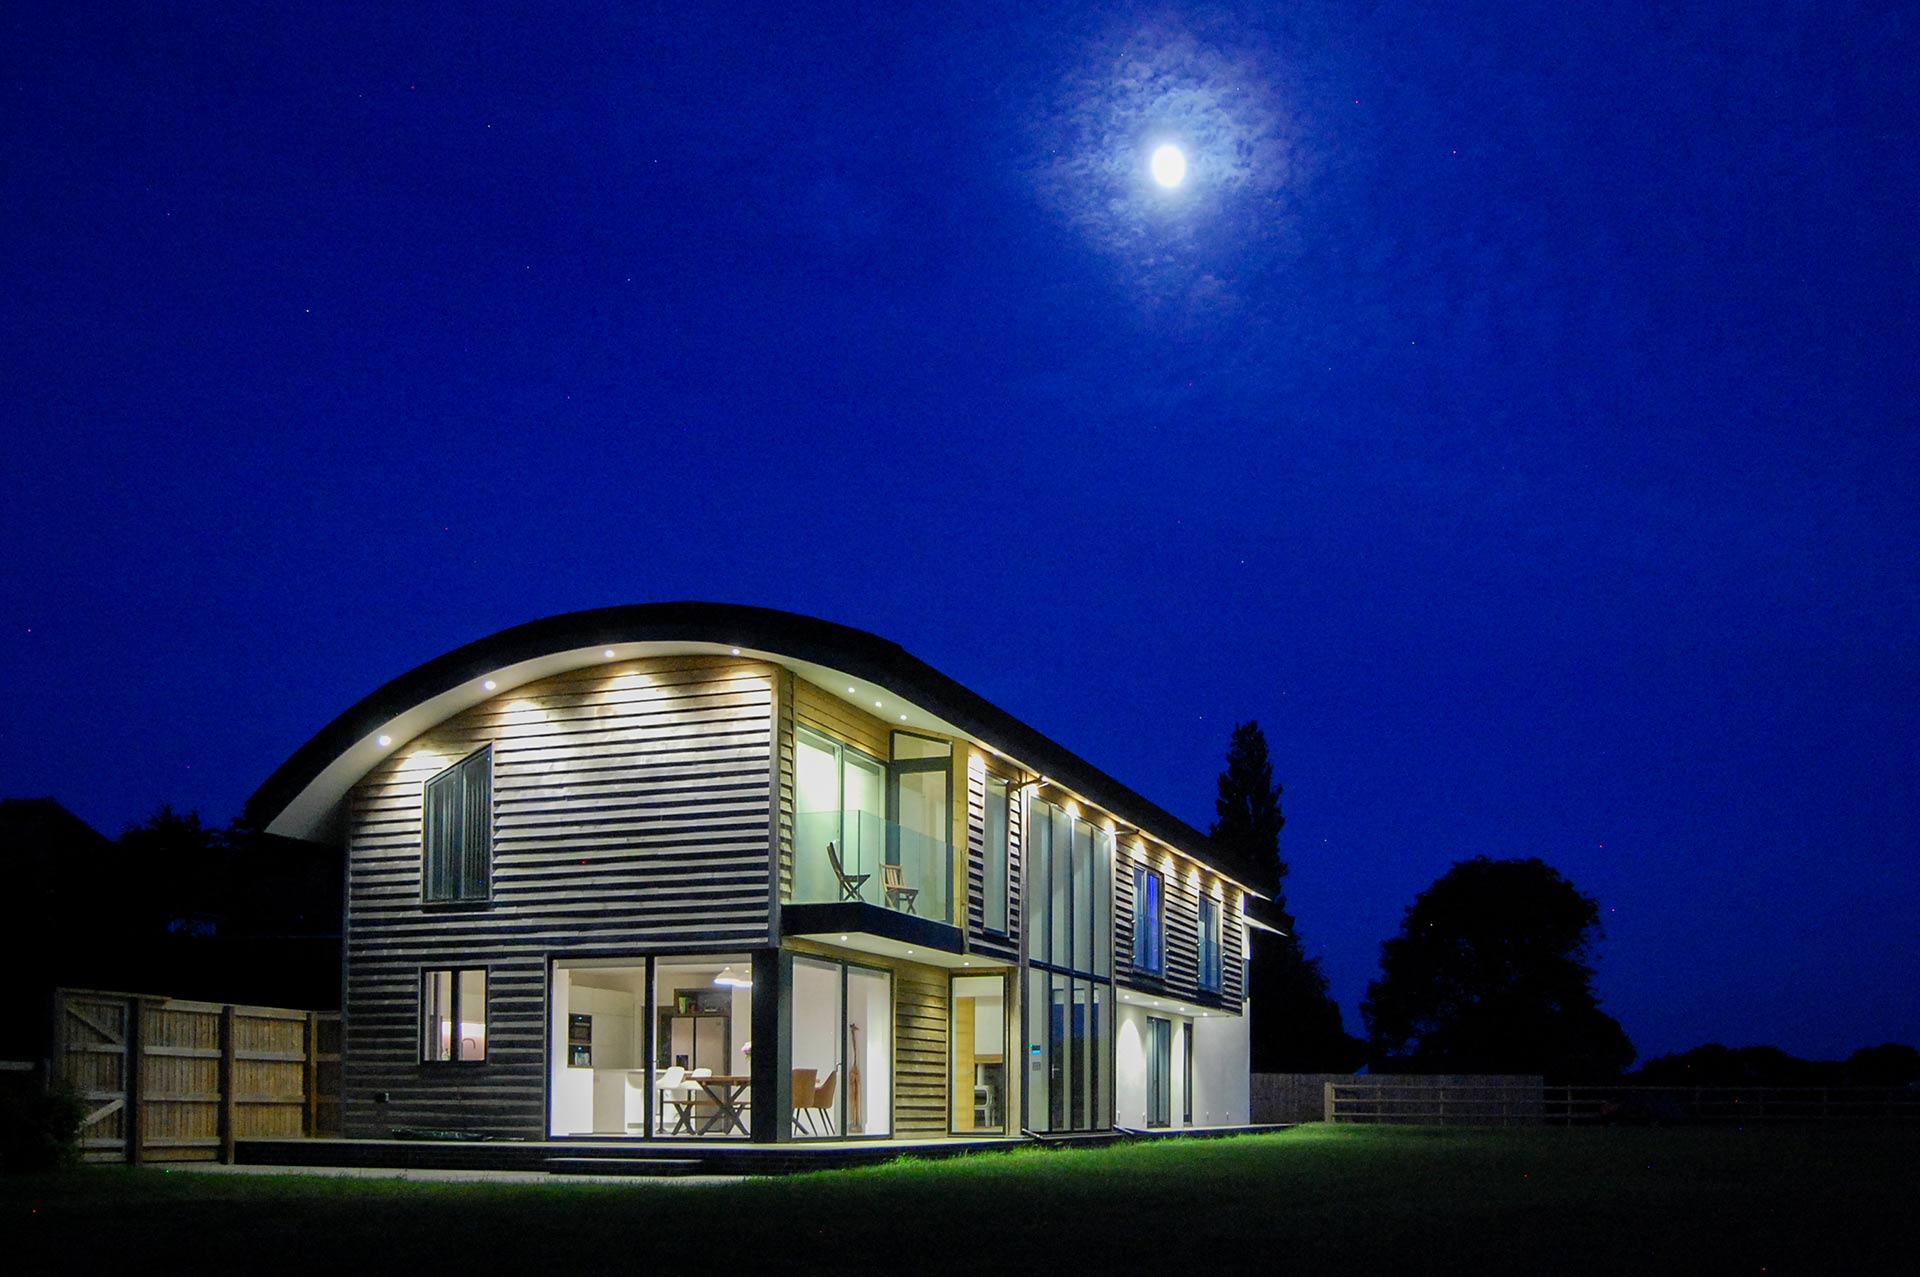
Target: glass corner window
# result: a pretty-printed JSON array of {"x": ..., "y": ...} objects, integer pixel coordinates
[{"x": 872, "y": 831}]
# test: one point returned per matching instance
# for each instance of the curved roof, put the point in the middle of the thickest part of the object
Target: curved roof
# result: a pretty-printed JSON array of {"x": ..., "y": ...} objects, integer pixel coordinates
[{"x": 302, "y": 797}]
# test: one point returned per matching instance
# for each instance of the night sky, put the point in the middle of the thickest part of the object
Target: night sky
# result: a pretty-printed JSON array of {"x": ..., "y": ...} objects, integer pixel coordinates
[{"x": 1514, "y": 411}]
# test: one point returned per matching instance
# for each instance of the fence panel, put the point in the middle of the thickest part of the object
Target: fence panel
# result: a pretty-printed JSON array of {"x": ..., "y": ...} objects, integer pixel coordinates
[
  {"x": 1436, "y": 1100},
  {"x": 171, "y": 1080}
]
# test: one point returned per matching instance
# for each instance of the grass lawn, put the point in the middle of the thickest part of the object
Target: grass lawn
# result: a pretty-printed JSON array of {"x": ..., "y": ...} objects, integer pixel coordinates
[{"x": 1314, "y": 1200}]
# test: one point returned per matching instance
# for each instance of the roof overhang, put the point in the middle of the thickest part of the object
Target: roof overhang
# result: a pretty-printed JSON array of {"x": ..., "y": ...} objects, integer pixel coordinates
[{"x": 303, "y": 797}]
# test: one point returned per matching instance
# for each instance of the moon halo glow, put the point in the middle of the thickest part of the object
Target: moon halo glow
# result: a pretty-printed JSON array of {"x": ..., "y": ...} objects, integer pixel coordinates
[{"x": 1169, "y": 166}]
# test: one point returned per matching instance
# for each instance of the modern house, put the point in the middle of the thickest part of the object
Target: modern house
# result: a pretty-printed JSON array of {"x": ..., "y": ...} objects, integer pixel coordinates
[{"x": 699, "y": 871}]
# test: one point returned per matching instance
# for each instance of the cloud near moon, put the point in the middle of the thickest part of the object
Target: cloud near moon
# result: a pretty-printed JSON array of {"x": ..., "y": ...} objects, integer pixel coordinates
[{"x": 1156, "y": 83}]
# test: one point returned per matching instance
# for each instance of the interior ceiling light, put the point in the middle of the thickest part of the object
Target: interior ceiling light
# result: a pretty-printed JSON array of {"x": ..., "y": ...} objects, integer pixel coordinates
[
  {"x": 727, "y": 979},
  {"x": 384, "y": 740},
  {"x": 489, "y": 685},
  {"x": 736, "y": 651},
  {"x": 608, "y": 653}
]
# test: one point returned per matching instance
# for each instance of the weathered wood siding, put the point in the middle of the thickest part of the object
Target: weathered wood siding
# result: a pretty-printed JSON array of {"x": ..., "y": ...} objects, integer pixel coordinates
[
  {"x": 632, "y": 814},
  {"x": 1183, "y": 884}
]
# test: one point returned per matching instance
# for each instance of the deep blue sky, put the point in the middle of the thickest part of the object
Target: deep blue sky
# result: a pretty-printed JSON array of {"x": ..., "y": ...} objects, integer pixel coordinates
[{"x": 1515, "y": 413}]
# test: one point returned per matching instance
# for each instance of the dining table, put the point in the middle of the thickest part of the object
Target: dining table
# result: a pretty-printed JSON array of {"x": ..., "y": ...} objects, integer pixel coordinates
[{"x": 728, "y": 1096}]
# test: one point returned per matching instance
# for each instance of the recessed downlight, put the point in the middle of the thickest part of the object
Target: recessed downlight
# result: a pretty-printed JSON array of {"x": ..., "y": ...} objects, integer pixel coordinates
[
  {"x": 608, "y": 653},
  {"x": 735, "y": 651},
  {"x": 489, "y": 685},
  {"x": 383, "y": 740}
]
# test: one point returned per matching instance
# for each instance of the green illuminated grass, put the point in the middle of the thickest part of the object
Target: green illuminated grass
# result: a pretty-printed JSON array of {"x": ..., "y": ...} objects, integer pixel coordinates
[{"x": 1314, "y": 1200}]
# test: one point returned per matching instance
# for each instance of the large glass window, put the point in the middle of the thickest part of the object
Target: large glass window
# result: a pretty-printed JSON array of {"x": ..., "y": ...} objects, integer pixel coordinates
[
  {"x": 702, "y": 1046},
  {"x": 872, "y": 831},
  {"x": 1068, "y": 921},
  {"x": 840, "y": 820},
  {"x": 453, "y": 1015},
  {"x": 1149, "y": 921},
  {"x": 842, "y": 1049},
  {"x": 1210, "y": 944},
  {"x": 995, "y": 861},
  {"x": 979, "y": 1054},
  {"x": 457, "y": 831}
]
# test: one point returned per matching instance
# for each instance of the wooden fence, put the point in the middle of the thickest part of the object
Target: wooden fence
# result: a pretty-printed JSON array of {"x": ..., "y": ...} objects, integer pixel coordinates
[
  {"x": 1434, "y": 1100},
  {"x": 165, "y": 1080},
  {"x": 1728, "y": 1105},
  {"x": 1523, "y": 1101}
]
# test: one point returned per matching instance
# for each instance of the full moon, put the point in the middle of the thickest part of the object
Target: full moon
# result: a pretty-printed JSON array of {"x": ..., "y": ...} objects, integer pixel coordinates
[{"x": 1169, "y": 166}]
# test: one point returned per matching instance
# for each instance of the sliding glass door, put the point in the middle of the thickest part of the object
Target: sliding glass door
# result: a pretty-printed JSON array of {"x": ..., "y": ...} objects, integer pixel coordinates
[{"x": 842, "y": 1050}]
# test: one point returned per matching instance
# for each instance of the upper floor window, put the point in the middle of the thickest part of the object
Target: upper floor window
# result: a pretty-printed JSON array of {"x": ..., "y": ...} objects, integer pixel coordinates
[
  {"x": 1149, "y": 921},
  {"x": 1066, "y": 905},
  {"x": 995, "y": 868},
  {"x": 873, "y": 831},
  {"x": 1210, "y": 944},
  {"x": 457, "y": 831}
]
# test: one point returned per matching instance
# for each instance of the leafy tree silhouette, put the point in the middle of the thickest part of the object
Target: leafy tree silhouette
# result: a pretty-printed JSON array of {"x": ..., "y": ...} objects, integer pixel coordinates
[{"x": 1489, "y": 974}]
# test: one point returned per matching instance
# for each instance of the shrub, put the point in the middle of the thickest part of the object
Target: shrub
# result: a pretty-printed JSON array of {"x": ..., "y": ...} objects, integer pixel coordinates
[{"x": 38, "y": 1131}]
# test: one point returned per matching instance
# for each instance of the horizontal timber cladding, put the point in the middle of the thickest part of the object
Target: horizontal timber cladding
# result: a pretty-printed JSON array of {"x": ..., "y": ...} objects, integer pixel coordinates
[
  {"x": 784, "y": 736},
  {"x": 919, "y": 1038},
  {"x": 632, "y": 813},
  {"x": 1183, "y": 884},
  {"x": 980, "y": 940}
]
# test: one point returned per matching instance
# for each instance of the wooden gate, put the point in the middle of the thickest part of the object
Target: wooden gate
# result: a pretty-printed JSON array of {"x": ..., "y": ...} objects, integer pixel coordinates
[
  {"x": 168, "y": 1080},
  {"x": 91, "y": 1040}
]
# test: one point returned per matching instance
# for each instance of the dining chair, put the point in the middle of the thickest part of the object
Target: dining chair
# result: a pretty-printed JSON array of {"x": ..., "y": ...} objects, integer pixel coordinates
[
  {"x": 673, "y": 1091},
  {"x": 804, "y": 1081},
  {"x": 823, "y": 1101}
]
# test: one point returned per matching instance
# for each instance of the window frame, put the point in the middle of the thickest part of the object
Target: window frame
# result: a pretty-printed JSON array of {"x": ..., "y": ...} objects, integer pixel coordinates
[
  {"x": 484, "y": 894},
  {"x": 1150, "y": 958},
  {"x": 428, "y": 1028},
  {"x": 1210, "y": 975}
]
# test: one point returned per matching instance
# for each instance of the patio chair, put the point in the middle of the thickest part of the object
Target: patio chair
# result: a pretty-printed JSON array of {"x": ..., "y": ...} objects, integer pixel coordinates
[
  {"x": 850, "y": 884},
  {"x": 803, "y": 1086},
  {"x": 894, "y": 882}
]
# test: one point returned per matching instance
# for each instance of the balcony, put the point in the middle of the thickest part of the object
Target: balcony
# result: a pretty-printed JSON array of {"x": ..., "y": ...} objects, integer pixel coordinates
[{"x": 881, "y": 863}]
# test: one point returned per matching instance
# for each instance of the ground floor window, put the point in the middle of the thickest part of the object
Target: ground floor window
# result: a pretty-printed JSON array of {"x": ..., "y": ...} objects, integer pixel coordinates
[
  {"x": 659, "y": 1047},
  {"x": 1159, "y": 1071},
  {"x": 842, "y": 1049},
  {"x": 978, "y": 1051},
  {"x": 453, "y": 1015}
]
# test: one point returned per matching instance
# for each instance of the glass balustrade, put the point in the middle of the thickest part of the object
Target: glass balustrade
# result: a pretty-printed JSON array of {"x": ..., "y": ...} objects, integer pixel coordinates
[{"x": 880, "y": 862}]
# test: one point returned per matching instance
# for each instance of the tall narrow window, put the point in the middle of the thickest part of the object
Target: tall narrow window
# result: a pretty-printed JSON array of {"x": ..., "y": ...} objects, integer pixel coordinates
[
  {"x": 995, "y": 869},
  {"x": 453, "y": 1015},
  {"x": 1209, "y": 944},
  {"x": 457, "y": 831},
  {"x": 1148, "y": 921},
  {"x": 1186, "y": 1074},
  {"x": 1159, "y": 1071}
]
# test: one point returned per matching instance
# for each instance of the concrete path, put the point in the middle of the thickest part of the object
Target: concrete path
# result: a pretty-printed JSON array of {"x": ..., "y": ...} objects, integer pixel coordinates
[{"x": 452, "y": 1177}]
